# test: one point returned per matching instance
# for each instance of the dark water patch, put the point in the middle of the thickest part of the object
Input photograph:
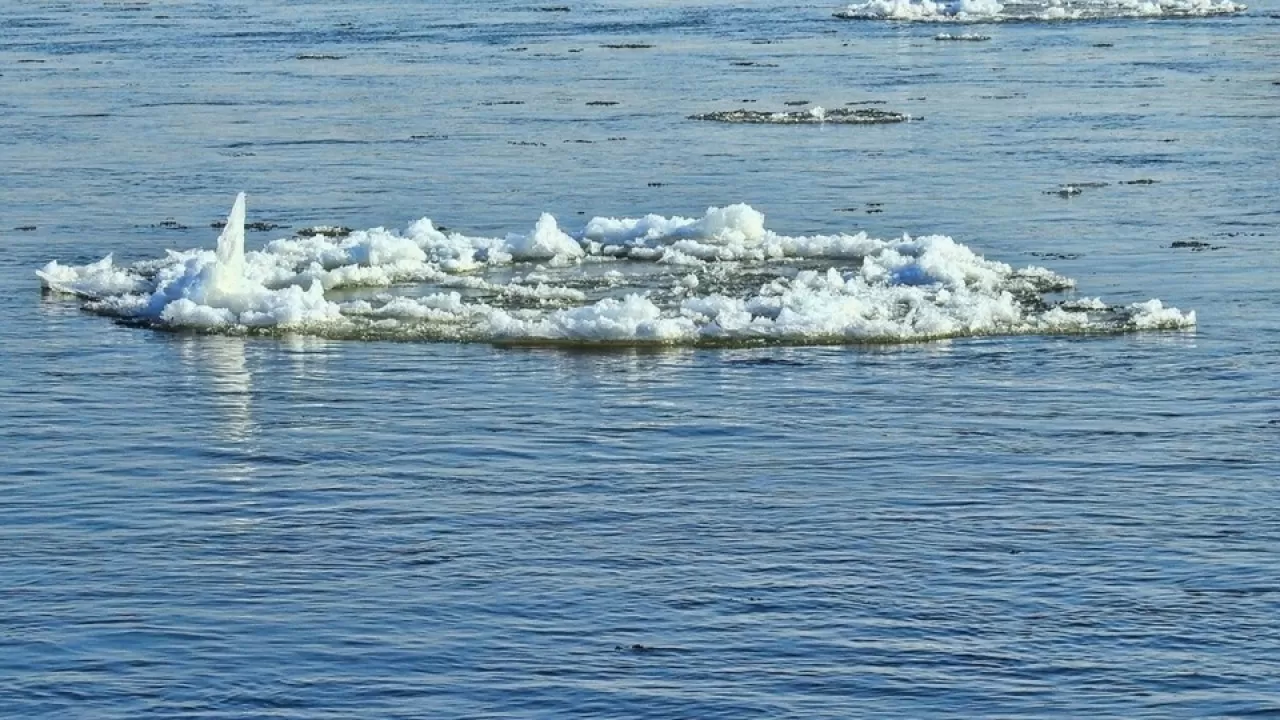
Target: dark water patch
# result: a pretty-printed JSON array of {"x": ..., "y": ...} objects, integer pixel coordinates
[
  {"x": 602, "y": 103},
  {"x": 1138, "y": 161},
  {"x": 580, "y": 142},
  {"x": 526, "y": 143},
  {"x": 308, "y": 143},
  {"x": 796, "y": 103},
  {"x": 752, "y": 64},
  {"x": 552, "y": 9},
  {"x": 429, "y": 136},
  {"x": 767, "y": 361},
  {"x": 190, "y": 103},
  {"x": 319, "y": 56},
  {"x": 1140, "y": 181},
  {"x": 169, "y": 224},
  {"x": 492, "y": 103},
  {"x": 26, "y": 228},
  {"x": 961, "y": 37},
  {"x": 1256, "y": 591},
  {"x": 627, "y": 46},
  {"x": 33, "y": 23},
  {"x": 274, "y": 458}
]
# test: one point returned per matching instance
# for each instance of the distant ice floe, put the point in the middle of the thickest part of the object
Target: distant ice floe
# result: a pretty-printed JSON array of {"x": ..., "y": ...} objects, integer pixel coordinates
[
  {"x": 981, "y": 11},
  {"x": 720, "y": 279},
  {"x": 813, "y": 116}
]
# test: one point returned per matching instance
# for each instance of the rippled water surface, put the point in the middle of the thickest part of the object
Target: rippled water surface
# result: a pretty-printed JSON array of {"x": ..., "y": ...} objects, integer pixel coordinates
[{"x": 202, "y": 526}]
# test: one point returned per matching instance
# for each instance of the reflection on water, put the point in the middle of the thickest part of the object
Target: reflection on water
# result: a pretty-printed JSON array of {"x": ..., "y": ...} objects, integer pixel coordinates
[
  {"x": 218, "y": 363},
  {"x": 307, "y": 355}
]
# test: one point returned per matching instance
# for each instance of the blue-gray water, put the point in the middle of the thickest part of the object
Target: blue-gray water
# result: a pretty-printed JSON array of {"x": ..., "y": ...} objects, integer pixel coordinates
[{"x": 210, "y": 527}]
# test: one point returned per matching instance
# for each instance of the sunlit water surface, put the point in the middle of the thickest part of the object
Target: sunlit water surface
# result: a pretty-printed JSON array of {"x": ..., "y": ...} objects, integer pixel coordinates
[{"x": 209, "y": 527}]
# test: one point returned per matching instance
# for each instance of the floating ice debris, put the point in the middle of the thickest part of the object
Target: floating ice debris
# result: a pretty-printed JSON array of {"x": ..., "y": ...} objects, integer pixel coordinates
[
  {"x": 1194, "y": 245},
  {"x": 329, "y": 231},
  {"x": 812, "y": 116},
  {"x": 1068, "y": 190},
  {"x": 961, "y": 37},
  {"x": 722, "y": 278},
  {"x": 983, "y": 11}
]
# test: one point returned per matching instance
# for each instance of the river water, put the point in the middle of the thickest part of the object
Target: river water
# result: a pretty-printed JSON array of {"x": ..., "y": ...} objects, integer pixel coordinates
[{"x": 292, "y": 524}]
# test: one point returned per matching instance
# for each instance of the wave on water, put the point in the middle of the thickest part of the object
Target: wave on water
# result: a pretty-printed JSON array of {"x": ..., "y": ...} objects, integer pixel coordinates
[
  {"x": 984, "y": 11},
  {"x": 721, "y": 279}
]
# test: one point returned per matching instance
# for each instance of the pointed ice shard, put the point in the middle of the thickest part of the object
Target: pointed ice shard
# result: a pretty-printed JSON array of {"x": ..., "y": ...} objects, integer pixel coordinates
[{"x": 229, "y": 272}]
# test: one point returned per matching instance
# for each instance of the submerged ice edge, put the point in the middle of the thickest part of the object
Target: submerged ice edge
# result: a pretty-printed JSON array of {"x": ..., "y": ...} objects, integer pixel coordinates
[
  {"x": 987, "y": 11},
  {"x": 723, "y": 278}
]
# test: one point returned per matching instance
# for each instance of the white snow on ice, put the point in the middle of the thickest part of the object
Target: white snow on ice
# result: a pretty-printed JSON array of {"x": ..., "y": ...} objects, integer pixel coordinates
[{"x": 723, "y": 277}]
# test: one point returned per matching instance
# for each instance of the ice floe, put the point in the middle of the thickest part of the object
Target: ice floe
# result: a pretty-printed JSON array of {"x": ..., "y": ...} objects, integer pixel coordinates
[
  {"x": 721, "y": 278},
  {"x": 813, "y": 116},
  {"x": 1051, "y": 10}
]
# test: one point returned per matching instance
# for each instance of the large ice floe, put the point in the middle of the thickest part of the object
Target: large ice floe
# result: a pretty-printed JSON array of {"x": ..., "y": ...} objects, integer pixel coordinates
[
  {"x": 723, "y": 278},
  {"x": 980, "y": 11}
]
